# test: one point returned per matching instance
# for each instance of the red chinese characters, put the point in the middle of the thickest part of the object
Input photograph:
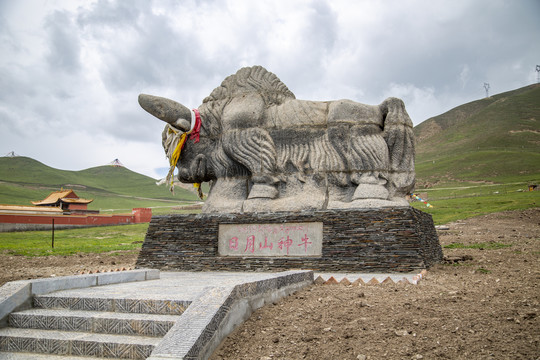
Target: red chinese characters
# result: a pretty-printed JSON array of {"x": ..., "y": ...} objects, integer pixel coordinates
[
  {"x": 233, "y": 243},
  {"x": 266, "y": 246},
  {"x": 285, "y": 243},
  {"x": 271, "y": 240},
  {"x": 250, "y": 244},
  {"x": 305, "y": 242}
]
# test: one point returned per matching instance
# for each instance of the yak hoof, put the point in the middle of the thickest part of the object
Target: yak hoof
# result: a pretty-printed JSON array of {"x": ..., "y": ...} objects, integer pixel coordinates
[
  {"x": 263, "y": 191},
  {"x": 370, "y": 191}
]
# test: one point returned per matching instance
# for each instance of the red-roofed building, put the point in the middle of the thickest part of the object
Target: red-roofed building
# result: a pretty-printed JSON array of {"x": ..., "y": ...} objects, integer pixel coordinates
[
  {"x": 66, "y": 200},
  {"x": 64, "y": 209}
]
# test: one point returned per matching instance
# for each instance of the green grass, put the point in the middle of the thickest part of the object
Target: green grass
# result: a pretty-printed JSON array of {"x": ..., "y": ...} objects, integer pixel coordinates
[
  {"x": 483, "y": 271},
  {"x": 74, "y": 241},
  {"x": 454, "y": 190},
  {"x": 466, "y": 205},
  {"x": 502, "y": 166},
  {"x": 483, "y": 246},
  {"x": 14, "y": 194},
  {"x": 494, "y": 139}
]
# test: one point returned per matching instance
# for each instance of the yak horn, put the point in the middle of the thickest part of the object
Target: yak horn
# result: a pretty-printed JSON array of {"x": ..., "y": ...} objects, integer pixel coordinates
[{"x": 167, "y": 110}]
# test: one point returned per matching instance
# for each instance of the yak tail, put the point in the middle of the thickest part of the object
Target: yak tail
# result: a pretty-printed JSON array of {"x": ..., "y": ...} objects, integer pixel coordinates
[{"x": 399, "y": 136}]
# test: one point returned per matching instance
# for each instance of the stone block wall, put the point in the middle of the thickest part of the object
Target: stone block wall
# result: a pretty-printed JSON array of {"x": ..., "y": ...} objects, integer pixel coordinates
[{"x": 399, "y": 239}]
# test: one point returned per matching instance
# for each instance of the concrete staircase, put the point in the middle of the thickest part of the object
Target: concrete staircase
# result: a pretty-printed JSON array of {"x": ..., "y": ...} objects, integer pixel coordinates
[
  {"x": 88, "y": 327},
  {"x": 137, "y": 314}
]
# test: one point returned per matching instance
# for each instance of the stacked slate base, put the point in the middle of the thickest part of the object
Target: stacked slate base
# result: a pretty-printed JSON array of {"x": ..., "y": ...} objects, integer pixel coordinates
[{"x": 400, "y": 239}]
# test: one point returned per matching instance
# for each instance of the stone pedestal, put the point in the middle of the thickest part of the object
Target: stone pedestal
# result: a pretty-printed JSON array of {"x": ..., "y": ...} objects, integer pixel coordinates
[{"x": 400, "y": 239}]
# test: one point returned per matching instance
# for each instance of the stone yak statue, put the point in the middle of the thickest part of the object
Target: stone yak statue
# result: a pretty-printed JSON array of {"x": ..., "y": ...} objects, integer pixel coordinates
[{"x": 263, "y": 150}]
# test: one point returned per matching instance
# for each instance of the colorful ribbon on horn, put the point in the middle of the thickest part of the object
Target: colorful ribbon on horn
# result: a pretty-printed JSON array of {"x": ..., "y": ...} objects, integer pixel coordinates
[
  {"x": 195, "y": 136},
  {"x": 174, "y": 136},
  {"x": 173, "y": 159},
  {"x": 199, "y": 190},
  {"x": 195, "y": 133}
]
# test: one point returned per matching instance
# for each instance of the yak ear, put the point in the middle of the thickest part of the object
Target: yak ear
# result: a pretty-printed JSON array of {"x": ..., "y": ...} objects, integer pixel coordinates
[{"x": 167, "y": 110}]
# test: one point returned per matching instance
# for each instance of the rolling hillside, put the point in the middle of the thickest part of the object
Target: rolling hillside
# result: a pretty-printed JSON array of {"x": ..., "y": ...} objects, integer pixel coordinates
[
  {"x": 492, "y": 140},
  {"x": 24, "y": 179}
]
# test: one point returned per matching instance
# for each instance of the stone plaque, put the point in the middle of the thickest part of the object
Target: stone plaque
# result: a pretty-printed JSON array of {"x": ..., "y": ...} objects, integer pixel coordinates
[{"x": 271, "y": 240}]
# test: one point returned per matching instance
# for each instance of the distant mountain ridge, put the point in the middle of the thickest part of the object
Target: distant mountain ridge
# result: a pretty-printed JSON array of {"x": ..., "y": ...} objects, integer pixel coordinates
[
  {"x": 24, "y": 178},
  {"x": 494, "y": 139}
]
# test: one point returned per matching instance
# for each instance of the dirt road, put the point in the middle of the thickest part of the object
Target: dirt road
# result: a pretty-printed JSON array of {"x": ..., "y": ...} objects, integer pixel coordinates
[{"x": 22, "y": 267}]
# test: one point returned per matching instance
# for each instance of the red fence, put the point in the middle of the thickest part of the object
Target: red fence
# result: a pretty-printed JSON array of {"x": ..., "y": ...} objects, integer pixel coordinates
[{"x": 138, "y": 215}]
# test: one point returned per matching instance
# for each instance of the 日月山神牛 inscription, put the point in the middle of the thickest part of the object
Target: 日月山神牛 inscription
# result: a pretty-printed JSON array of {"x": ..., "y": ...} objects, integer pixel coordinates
[{"x": 270, "y": 240}]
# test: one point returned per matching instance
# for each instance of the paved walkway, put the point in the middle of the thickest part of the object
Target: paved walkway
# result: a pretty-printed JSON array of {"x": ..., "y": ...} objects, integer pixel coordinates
[{"x": 185, "y": 286}]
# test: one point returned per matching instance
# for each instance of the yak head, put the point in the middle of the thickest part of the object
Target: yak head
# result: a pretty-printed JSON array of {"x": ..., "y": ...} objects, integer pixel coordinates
[{"x": 193, "y": 165}]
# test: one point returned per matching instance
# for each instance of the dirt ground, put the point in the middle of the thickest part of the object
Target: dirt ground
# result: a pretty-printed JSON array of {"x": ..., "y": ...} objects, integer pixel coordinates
[
  {"x": 481, "y": 303},
  {"x": 23, "y": 268}
]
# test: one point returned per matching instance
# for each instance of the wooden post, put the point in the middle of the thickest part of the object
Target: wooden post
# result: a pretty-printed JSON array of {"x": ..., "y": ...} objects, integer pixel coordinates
[{"x": 53, "y": 233}]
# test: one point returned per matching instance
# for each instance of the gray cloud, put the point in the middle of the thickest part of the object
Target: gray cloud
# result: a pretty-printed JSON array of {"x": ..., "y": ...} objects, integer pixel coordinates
[
  {"x": 112, "y": 14},
  {"x": 64, "y": 46}
]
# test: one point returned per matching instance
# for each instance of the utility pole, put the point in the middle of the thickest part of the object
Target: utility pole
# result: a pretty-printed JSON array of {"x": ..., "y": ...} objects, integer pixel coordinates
[{"x": 486, "y": 86}]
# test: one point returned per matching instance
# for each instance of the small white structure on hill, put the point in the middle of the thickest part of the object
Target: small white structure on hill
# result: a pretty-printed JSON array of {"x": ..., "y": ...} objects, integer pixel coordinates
[
  {"x": 116, "y": 163},
  {"x": 12, "y": 154}
]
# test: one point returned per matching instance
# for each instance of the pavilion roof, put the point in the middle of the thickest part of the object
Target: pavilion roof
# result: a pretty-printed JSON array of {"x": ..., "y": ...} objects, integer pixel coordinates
[
  {"x": 67, "y": 196},
  {"x": 19, "y": 208}
]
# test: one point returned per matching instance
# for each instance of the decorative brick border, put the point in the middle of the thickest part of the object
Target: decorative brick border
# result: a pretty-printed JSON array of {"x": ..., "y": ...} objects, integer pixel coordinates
[
  {"x": 219, "y": 310},
  {"x": 362, "y": 279}
]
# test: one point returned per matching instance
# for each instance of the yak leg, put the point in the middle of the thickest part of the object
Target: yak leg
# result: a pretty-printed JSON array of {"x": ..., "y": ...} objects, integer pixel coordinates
[
  {"x": 254, "y": 148},
  {"x": 368, "y": 162},
  {"x": 398, "y": 134}
]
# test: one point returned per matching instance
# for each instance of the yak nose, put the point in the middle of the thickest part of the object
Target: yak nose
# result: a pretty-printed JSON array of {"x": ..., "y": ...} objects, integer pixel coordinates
[{"x": 167, "y": 110}]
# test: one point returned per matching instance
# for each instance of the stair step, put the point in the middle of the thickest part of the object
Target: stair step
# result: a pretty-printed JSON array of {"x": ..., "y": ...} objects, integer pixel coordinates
[
  {"x": 142, "y": 306},
  {"x": 29, "y": 356},
  {"x": 93, "y": 321},
  {"x": 76, "y": 343}
]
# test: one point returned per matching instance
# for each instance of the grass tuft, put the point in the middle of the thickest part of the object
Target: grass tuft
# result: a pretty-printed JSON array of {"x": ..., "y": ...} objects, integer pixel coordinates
[
  {"x": 481, "y": 246},
  {"x": 482, "y": 271}
]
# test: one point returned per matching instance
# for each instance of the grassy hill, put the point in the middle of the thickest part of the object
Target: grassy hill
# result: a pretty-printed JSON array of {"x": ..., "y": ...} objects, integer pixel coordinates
[
  {"x": 24, "y": 179},
  {"x": 480, "y": 157},
  {"x": 496, "y": 139}
]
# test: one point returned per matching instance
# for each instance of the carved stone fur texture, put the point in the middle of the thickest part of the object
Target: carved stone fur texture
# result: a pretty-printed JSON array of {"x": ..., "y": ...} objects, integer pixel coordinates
[{"x": 262, "y": 149}]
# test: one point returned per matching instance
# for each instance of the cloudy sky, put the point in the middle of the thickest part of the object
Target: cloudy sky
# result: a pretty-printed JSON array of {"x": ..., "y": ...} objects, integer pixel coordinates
[{"x": 71, "y": 71}]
